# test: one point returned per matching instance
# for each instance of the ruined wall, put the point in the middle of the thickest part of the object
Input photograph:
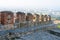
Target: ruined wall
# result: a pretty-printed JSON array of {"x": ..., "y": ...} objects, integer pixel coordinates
[
  {"x": 7, "y": 17},
  {"x": 21, "y": 16},
  {"x": 0, "y": 18},
  {"x": 49, "y": 18},
  {"x": 29, "y": 17}
]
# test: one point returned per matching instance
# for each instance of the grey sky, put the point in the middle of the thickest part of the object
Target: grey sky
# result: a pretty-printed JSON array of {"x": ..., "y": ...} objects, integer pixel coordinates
[{"x": 26, "y": 4}]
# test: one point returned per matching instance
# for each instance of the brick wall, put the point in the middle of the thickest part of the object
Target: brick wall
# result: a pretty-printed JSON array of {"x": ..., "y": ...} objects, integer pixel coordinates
[
  {"x": 45, "y": 18},
  {"x": 21, "y": 16},
  {"x": 29, "y": 17},
  {"x": 5, "y": 17},
  {"x": 0, "y": 17},
  {"x": 49, "y": 18},
  {"x": 42, "y": 18},
  {"x": 37, "y": 17}
]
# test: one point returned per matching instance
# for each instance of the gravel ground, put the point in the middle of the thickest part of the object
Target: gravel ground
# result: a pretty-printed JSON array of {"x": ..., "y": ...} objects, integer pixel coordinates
[{"x": 40, "y": 36}]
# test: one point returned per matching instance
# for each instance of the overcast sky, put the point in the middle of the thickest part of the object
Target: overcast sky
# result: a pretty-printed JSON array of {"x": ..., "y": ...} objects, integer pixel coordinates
[{"x": 19, "y": 4}]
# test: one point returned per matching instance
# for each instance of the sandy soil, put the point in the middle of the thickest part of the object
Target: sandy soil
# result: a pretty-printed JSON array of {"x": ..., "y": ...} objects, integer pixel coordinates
[{"x": 56, "y": 21}]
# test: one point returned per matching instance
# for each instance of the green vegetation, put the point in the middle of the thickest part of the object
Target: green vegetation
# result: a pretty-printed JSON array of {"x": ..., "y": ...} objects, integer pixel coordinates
[
  {"x": 58, "y": 26},
  {"x": 58, "y": 18}
]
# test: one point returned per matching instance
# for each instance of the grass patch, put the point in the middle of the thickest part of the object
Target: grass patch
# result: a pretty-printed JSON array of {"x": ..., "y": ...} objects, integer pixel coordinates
[{"x": 58, "y": 26}]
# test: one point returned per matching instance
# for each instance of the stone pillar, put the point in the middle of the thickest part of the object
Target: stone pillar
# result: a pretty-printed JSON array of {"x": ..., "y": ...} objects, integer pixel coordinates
[
  {"x": 46, "y": 18},
  {"x": 37, "y": 19},
  {"x": 34, "y": 20},
  {"x": 29, "y": 19},
  {"x": 7, "y": 17},
  {"x": 49, "y": 17},
  {"x": 21, "y": 18},
  {"x": 0, "y": 18},
  {"x": 42, "y": 18}
]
